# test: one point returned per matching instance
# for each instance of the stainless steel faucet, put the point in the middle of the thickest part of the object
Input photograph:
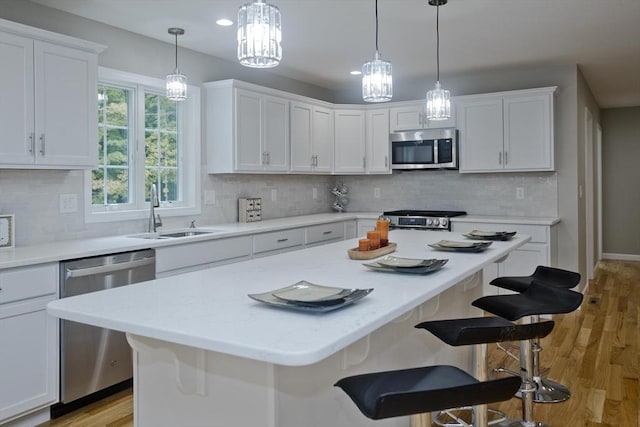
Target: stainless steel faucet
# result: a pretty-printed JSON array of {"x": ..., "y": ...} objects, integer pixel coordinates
[{"x": 154, "y": 220}]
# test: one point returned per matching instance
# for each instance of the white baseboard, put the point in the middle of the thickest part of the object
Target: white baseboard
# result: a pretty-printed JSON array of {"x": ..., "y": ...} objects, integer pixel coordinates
[{"x": 622, "y": 257}]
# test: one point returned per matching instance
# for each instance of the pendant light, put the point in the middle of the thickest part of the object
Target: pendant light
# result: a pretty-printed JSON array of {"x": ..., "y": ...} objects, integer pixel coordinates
[
  {"x": 176, "y": 82},
  {"x": 259, "y": 35},
  {"x": 438, "y": 99},
  {"x": 377, "y": 82}
]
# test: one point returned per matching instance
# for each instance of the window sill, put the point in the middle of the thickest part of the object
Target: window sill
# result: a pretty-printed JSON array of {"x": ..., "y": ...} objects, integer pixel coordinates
[{"x": 123, "y": 215}]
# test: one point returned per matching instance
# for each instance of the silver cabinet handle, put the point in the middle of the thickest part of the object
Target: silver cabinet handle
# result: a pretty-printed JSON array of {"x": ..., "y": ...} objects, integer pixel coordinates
[
  {"x": 500, "y": 158},
  {"x": 81, "y": 272},
  {"x": 282, "y": 240},
  {"x": 327, "y": 232},
  {"x": 364, "y": 163},
  {"x": 264, "y": 154},
  {"x": 42, "y": 144},
  {"x": 268, "y": 158},
  {"x": 506, "y": 157},
  {"x": 32, "y": 142},
  {"x": 386, "y": 161}
]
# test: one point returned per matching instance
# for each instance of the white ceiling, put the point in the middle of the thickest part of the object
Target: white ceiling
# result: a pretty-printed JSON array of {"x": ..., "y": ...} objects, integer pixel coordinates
[{"x": 325, "y": 39}]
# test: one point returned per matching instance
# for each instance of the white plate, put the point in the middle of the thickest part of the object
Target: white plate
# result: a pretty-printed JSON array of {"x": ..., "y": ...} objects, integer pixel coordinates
[
  {"x": 311, "y": 307},
  {"x": 460, "y": 245},
  {"x": 490, "y": 235},
  {"x": 393, "y": 261},
  {"x": 437, "y": 264},
  {"x": 307, "y": 292}
]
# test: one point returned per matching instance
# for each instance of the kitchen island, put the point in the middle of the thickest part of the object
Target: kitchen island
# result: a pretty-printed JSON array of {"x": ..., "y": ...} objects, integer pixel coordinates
[{"x": 207, "y": 355}]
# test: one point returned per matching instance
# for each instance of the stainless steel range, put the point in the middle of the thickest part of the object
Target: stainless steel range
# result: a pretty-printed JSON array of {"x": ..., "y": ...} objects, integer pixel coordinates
[{"x": 422, "y": 220}]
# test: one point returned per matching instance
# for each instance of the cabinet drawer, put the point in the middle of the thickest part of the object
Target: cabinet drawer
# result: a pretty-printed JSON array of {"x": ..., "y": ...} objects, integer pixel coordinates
[
  {"x": 278, "y": 240},
  {"x": 538, "y": 233},
  {"x": 28, "y": 282},
  {"x": 198, "y": 253},
  {"x": 324, "y": 232}
]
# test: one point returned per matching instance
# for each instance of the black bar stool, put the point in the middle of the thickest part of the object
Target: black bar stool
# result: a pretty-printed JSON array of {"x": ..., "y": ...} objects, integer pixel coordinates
[
  {"x": 479, "y": 332},
  {"x": 537, "y": 299},
  {"x": 425, "y": 389},
  {"x": 547, "y": 390}
]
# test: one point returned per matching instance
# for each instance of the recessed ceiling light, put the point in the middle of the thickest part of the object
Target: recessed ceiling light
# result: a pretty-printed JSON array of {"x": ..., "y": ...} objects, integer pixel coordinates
[
  {"x": 224, "y": 22},
  {"x": 355, "y": 72}
]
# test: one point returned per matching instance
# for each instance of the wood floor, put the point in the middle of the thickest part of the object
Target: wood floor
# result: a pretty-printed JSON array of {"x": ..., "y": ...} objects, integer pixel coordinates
[{"x": 594, "y": 351}]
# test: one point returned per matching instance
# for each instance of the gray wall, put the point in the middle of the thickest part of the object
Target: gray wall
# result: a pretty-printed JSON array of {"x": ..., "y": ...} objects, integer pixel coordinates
[
  {"x": 546, "y": 194},
  {"x": 621, "y": 181}
]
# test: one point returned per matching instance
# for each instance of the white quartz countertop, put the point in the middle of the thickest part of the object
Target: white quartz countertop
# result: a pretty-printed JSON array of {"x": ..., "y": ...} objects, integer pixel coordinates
[
  {"x": 71, "y": 249},
  {"x": 497, "y": 219},
  {"x": 210, "y": 309}
]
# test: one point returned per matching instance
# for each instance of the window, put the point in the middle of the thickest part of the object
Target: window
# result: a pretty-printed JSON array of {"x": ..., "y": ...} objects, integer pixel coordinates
[{"x": 143, "y": 139}]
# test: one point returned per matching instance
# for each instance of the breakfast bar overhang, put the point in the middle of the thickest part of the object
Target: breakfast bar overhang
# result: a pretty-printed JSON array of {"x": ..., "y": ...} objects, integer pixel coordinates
[{"x": 205, "y": 354}]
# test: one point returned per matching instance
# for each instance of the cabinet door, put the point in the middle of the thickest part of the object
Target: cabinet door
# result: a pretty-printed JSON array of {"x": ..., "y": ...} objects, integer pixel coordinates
[
  {"x": 378, "y": 147},
  {"x": 407, "y": 118},
  {"x": 249, "y": 153},
  {"x": 29, "y": 355},
  {"x": 16, "y": 100},
  {"x": 524, "y": 260},
  {"x": 66, "y": 90},
  {"x": 528, "y": 132},
  {"x": 349, "y": 142},
  {"x": 322, "y": 139},
  {"x": 301, "y": 137},
  {"x": 481, "y": 139},
  {"x": 276, "y": 133}
]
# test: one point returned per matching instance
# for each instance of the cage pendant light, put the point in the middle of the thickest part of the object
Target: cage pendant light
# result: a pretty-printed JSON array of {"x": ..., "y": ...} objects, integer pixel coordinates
[
  {"x": 259, "y": 35},
  {"x": 438, "y": 99},
  {"x": 377, "y": 82},
  {"x": 176, "y": 82}
]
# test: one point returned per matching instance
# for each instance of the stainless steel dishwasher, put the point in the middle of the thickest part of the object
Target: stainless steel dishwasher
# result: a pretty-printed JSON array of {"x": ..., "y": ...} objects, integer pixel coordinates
[{"x": 92, "y": 358}]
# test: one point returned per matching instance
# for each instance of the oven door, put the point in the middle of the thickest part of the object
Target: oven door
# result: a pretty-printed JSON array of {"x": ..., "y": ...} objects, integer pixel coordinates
[{"x": 417, "y": 154}]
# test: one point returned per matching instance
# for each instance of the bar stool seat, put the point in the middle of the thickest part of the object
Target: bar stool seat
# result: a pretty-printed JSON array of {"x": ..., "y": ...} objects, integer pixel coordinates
[
  {"x": 425, "y": 389},
  {"x": 548, "y": 276}
]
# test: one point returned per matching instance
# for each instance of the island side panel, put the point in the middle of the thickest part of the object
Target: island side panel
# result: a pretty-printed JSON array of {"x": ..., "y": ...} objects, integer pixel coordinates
[{"x": 181, "y": 385}]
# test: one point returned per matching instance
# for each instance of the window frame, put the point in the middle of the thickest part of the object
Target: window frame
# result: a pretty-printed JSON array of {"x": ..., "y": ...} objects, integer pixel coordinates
[{"x": 189, "y": 153}]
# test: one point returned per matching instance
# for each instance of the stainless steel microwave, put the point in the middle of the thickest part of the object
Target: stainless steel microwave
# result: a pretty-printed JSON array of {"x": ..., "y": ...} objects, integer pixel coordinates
[{"x": 425, "y": 149}]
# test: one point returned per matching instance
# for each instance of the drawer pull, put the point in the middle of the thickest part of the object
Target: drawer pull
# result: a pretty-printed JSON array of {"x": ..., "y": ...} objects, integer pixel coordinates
[
  {"x": 327, "y": 232},
  {"x": 282, "y": 240}
]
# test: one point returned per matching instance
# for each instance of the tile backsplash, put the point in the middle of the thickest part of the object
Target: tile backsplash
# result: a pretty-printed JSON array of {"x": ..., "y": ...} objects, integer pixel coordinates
[{"x": 34, "y": 197}]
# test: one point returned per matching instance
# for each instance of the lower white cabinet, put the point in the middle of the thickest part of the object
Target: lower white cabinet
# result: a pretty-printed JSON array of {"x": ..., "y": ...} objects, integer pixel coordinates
[
  {"x": 540, "y": 250},
  {"x": 276, "y": 242},
  {"x": 365, "y": 225},
  {"x": 325, "y": 233},
  {"x": 171, "y": 260},
  {"x": 29, "y": 347}
]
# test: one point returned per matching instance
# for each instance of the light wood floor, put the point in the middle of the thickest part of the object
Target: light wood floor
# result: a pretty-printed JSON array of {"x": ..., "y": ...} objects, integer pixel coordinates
[{"x": 594, "y": 351}]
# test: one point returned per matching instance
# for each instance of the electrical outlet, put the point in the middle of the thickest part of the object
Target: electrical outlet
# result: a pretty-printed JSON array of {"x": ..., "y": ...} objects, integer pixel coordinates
[
  {"x": 314, "y": 193},
  {"x": 274, "y": 195},
  {"x": 519, "y": 193},
  {"x": 209, "y": 197},
  {"x": 376, "y": 193},
  {"x": 68, "y": 203}
]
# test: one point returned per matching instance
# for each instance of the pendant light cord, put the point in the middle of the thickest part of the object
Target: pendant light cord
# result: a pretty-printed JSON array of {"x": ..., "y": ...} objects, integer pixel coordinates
[
  {"x": 437, "y": 40},
  {"x": 376, "y": 26},
  {"x": 176, "y": 34}
]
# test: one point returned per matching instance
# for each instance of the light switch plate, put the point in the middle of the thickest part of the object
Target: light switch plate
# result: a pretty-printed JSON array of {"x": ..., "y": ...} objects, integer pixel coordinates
[{"x": 7, "y": 237}]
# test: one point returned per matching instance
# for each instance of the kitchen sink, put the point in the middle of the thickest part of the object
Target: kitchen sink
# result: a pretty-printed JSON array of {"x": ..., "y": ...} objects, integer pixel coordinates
[{"x": 173, "y": 234}]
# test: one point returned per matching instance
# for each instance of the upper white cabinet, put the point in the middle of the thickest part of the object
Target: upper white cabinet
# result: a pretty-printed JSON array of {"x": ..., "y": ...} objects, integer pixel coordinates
[
  {"x": 412, "y": 115},
  {"x": 311, "y": 138},
  {"x": 349, "y": 141},
  {"x": 247, "y": 131},
  {"x": 507, "y": 132},
  {"x": 48, "y": 99},
  {"x": 378, "y": 147}
]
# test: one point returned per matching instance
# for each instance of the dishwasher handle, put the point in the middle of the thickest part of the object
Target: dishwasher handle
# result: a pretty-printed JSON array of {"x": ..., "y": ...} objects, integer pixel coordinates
[{"x": 88, "y": 271}]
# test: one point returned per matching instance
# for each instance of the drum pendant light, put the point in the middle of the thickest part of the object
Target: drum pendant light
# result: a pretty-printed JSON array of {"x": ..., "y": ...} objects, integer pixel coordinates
[
  {"x": 259, "y": 35},
  {"x": 438, "y": 99},
  {"x": 176, "y": 82},
  {"x": 377, "y": 82}
]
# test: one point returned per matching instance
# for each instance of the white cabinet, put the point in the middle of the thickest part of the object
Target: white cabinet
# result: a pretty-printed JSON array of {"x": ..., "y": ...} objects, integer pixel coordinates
[
  {"x": 48, "y": 99},
  {"x": 29, "y": 337},
  {"x": 412, "y": 115},
  {"x": 365, "y": 225},
  {"x": 325, "y": 233},
  {"x": 506, "y": 132},
  {"x": 349, "y": 142},
  {"x": 378, "y": 147},
  {"x": 540, "y": 250},
  {"x": 171, "y": 260},
  {"x": 311, "y": 138},
  {"x": 276, "y": 242},
  {"x": 247, "y": 131}
]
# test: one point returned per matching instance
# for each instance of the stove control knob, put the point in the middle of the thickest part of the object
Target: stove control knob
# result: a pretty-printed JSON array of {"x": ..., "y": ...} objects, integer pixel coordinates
[
  {"x": 443, "y": 222},
  {"x": 436, "y": 221},
  {"x": 429, "y": 221}
]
